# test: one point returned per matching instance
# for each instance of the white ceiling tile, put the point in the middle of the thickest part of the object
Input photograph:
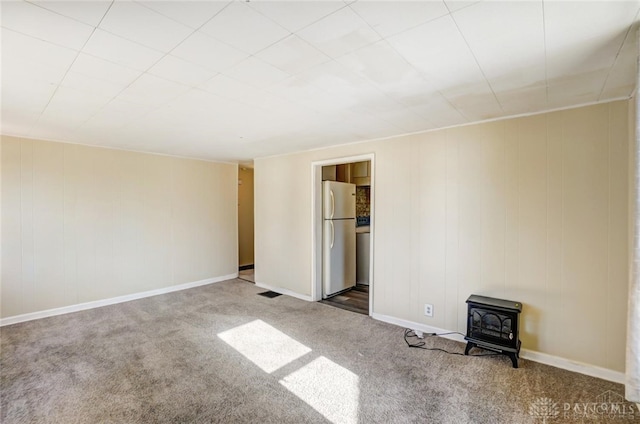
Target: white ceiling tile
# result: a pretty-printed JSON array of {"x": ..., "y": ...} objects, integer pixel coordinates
[
  {"x": 439, "y": 111},
  {"x": 17, "y": 122},
  {"x": 181, "y": 71},
  {"x": 427, "y": 77},
  {"x": 509, "y": 61},
  {"x": 45, "y": 25},
  {"x": 572, "y": 48},
  {"x": 224, "y": 86},
  {"x": 89, "y": 12},
  {"x": 577, "y": 89},
  {"x": 375, "y": 101},
  {"x": 294, "y": 15},
  {"x": 199, "y": 102},
  {"x": 115, "y": 114},
  {"x": 118, "y": 50},
  {"x": 334, "y": 78},
  {"x": 84, "y": 104},
  {"x": 243, "y": 28},
  {"x": 348, "y": 89},
  {"x": 255, "y": 72},
  {"x": 53, "y": 127},
  {"x": 33, "y": 58},
  {"x": 392, "y": 17},
  {"x": 297, "y": 90},
  {"x": 95, "y": 67},
  {"x": 367, "y": 127},
  {"x": 66, "y": 98},
  {"x": 152, "y": 90},
  {"x": 137, "y": 23},
  {"x": 264, "y": 100},
  {"x": 579, "y": 60},
  {"x": 90, "y": 84},
  {"x": 449, "y": 60},
  {"x": 454, "y": 5},
  {"x": 475, "y": 101},
  {"x": 525, "y": 99},
  {"x": 571, "y": 24},
  {"x": 293, "y": 55},
  {"x": 380, "y": 64},
  {"x": 25, "y": 95},
  {"x": 208, "y": 52},
  {"x": 190, "y": 13},
  {"x": 405, "y": 119},
  {"x": 414, "y": 97},
  {"x": 339, "y": 33},
  {"x": 413, "y": 94}
]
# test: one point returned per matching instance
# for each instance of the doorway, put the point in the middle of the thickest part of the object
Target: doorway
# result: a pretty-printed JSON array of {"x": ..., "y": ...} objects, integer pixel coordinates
[
  {"x": 359, "y": 171},
  {"x": 245, "y": 224}
]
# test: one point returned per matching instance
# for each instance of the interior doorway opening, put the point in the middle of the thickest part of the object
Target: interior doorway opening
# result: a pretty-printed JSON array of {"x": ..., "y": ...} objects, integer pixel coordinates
[
  {"x": 245, "y": 224},
  {"x": 354, "y": 290}
]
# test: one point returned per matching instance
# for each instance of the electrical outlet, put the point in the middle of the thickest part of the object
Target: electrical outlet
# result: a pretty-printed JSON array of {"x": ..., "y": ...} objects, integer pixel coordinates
[{"x": 428, "y": 309}]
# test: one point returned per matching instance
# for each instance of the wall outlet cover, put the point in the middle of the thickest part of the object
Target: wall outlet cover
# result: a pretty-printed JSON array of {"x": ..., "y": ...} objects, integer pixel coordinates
[{"x": 428, "y": 309}]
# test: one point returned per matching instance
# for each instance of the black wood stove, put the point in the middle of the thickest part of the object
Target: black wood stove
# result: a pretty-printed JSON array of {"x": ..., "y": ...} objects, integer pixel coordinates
[{"x": 494, "y": 324}]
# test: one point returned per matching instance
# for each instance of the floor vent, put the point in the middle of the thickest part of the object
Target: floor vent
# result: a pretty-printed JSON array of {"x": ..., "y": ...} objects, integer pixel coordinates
[{"x": 270, "y": 294}]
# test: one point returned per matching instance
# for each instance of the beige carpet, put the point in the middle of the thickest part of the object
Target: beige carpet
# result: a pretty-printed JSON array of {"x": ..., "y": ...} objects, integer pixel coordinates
[{"x": 222, "y": 354}]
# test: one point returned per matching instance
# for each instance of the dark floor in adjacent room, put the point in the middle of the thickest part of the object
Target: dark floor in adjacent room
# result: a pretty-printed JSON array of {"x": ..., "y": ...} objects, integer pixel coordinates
[{"x": 354, "y": 300}]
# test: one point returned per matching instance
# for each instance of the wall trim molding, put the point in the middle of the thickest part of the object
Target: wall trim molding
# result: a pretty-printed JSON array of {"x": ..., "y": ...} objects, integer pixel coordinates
[
  {"x": 531, "y": 355},
  {"x": 285, "y": 291},
  {"x": 111, "y": 301},
  {"x": 465, "y": 124}
]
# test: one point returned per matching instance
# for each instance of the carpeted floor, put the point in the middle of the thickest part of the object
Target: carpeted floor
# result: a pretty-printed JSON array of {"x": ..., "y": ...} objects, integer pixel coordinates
[{"x": 223, "y": 354}]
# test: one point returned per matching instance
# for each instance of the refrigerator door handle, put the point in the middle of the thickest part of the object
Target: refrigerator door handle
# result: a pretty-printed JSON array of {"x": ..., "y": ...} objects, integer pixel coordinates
[
  {"x": 333, "y": 234},
  {"x": 333, "y": 206}
]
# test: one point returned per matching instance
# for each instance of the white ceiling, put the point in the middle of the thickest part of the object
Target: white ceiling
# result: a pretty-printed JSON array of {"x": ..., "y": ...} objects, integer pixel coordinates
[{"x": 235, "y": 80}]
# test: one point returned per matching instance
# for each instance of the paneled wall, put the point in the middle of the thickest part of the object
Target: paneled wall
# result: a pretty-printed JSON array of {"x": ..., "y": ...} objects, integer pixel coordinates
[
  {"x": 533, "y": 209},
  {"x": 81, "y": 223}
]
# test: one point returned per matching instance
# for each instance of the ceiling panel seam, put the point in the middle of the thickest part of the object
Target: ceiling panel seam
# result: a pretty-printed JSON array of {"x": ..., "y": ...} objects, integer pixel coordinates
[
  {"x": 55, "y": 91},
  {"x": 475, "y": 59},
  {"x": 615, "y": 60}
]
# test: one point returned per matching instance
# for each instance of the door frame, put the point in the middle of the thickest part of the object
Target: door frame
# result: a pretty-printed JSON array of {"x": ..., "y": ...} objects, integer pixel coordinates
[{"x": 316, "y": 222}]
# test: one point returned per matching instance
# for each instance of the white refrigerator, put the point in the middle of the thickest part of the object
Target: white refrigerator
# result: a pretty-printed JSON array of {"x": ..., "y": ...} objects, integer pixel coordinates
[{"x": 338, "y": 237}]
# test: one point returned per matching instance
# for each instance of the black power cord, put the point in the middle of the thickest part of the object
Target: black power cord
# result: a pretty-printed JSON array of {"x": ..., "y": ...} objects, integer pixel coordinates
[{"x": 421, "y": 345}]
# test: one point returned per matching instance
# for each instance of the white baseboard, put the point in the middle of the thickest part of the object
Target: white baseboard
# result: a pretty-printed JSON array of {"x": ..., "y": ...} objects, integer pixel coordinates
[
  {"x": 285, "y": 291},
  {"x": 531, "y": 355},
  {"x": 417, "y": 326},
  {"x": 111, "y": 301},
  {"x": 575, "y": 366}
]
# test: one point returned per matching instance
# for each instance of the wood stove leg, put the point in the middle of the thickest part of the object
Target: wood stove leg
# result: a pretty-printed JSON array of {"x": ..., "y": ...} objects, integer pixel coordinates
[
  {"x": 469, "y": 347},
  {"x": 514, "y": 359}
]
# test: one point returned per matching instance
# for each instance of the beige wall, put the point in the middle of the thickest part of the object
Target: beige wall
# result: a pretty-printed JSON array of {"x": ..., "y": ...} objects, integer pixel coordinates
[
  {"x": 532, "y": 209},
  {"x": 245, "y": 215},
  {"x": 81, "y": 224}
]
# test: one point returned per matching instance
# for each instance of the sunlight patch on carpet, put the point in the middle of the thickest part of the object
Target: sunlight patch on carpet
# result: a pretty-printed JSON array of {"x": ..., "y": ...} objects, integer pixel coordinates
[
  {"x": 265, "y": 346},
  {"x": 328, "y": 388}
]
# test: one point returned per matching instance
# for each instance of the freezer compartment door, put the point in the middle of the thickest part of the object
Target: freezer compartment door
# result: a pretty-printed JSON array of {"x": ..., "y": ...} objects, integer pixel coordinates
[
  {"x": 339, "y": 256},
  {"x": 338, "y": 200}
]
